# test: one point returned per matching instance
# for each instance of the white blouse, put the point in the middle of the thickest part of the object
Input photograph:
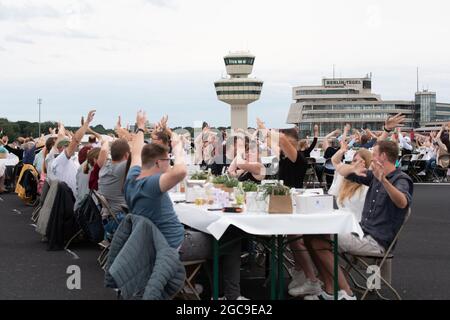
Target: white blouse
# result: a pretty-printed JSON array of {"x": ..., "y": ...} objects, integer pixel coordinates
[{"x": 355, "y": 203}]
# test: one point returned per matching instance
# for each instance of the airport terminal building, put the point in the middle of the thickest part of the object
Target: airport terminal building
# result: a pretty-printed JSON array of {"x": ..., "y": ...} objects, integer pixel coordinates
[{"x": 350, "y": 100}]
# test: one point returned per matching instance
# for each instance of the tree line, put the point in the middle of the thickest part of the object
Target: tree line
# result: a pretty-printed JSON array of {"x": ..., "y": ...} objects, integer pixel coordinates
[{"x": 31, "y": 129}]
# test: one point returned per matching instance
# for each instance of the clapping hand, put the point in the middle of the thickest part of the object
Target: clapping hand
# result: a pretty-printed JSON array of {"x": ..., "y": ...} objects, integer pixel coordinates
[
  {"x": 378, "y": 170},
  {"x": 359, "y": 168}
]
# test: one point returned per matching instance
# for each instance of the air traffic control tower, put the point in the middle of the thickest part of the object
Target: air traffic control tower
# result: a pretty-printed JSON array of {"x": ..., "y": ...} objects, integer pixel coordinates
[{"x": 238, "y": 90}]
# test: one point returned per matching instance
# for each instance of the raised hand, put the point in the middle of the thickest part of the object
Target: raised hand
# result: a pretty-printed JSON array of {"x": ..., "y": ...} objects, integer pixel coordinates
[
  {"x": 316, "y": 130},
  {"x": 344, "y": 145},
  {"x": 61, "y": 130},
  {"x": 164, "y": 121},
  {"x": 119, "y": 123},
  {"x": 394, "y": 122},
  {"x": 260, "y": 124},
  {"x": 175, "y": 140},
  {"x": 141, "y": 119},
  {"x": 90, "y": 117},
  {"x": 359, "y": 168}
]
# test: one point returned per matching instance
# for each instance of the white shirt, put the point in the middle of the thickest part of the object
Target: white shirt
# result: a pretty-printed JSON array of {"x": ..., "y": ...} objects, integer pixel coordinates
[
  {"x": 65, "y": 170},
  {"x": 405, "y": 142},
  {"x": 355, "y": 203}
]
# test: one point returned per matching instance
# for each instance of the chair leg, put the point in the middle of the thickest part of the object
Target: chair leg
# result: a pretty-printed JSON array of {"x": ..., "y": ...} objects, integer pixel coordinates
[
  {"x": 394, "y": 291},
  {"x": 356, "y": 284},
  {"x": 102, "y": 256},
  {"x": 35, "y": 214},
  {"x": 73, "y": 238},
  {"x": 351, "y": 266},
  {"x": 188, "y": 282}
]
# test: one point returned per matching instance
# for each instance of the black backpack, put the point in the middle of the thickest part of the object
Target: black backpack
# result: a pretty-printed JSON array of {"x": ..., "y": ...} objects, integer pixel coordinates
[{"x": 89, "y": 219}]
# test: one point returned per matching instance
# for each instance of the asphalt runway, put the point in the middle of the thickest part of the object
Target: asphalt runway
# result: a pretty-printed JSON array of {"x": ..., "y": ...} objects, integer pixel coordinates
[{"x": 421, "y": 267}]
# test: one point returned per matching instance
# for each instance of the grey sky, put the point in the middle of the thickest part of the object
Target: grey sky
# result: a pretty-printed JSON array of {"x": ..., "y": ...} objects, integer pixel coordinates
[{"x": 163, "y": 56}]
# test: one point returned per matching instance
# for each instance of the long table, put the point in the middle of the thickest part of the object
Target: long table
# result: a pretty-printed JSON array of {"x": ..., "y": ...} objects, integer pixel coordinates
[{"x": 275, "y": 226}]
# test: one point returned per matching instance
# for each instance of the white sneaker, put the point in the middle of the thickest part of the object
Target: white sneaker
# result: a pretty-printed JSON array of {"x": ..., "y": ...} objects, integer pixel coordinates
[
  {"x": 298, "y": 278},
  {"x": 198, "y": 288},
  {"x": 342, "y": 295},
  {"x": 238, "y": 298},
  {"x": 308, "y": 288},
  {"x": 321, "y": 296}
]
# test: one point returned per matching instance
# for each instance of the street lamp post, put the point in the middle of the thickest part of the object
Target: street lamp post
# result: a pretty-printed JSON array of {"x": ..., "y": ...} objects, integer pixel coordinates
[{"x": 39, "y": 103}]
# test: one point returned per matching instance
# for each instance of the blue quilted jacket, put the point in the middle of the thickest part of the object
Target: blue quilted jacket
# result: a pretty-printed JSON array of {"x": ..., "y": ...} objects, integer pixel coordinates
[{"x": 141, "y": 263}]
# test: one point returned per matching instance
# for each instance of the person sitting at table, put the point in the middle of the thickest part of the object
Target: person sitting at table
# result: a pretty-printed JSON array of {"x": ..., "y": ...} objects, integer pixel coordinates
[
  {"x": 292, "y": 170},
  {"x": 349, "y": 195},
  {"x": 146, "y": 191},
  {"x": 247, "y": 166},
  {"x": 388, "y": 198}
]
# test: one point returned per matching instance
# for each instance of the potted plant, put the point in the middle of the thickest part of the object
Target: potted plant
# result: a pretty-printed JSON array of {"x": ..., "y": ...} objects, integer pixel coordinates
[
  {"x": 251, "y": 191},
  {"x": 280, "y": 200},
  {"x": 229, "y": 184},
  {"x": 219, "y": 181},
  {"x": 249, "y": 186},
  {"x": 199, "y": 175}
]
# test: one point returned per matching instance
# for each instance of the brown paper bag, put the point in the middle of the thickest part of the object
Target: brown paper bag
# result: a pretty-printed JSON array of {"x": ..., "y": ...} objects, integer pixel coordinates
[{"x": 280, "y": 204}]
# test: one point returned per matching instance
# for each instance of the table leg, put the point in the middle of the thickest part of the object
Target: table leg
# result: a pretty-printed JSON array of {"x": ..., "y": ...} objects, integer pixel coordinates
[
  {"x": 215, "y": 269},
  {"x": 273, "y": 284},
  {"x": 280, "y": 268},
  {"x": 336, "y": 266}
]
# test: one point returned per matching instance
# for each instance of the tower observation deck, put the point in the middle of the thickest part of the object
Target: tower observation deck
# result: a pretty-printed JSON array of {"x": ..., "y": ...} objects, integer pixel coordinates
[{"x": 238, "y": 90}]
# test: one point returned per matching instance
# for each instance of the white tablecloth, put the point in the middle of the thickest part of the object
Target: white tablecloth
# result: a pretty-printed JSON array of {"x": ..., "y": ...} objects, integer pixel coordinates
[{"x": 216, "y": 222}]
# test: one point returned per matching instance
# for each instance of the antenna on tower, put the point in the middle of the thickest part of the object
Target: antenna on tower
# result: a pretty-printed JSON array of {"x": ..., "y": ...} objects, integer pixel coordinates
[{"x": 333, "y": 71}]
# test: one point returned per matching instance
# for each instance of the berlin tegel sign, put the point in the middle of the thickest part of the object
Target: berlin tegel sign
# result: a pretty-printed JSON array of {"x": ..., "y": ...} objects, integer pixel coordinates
[{"x": 338, "y": 83}]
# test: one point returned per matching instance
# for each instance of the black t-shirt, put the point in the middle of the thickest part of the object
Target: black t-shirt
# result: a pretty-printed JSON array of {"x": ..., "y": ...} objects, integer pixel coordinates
[
  {"x": 307, "y": 152},
  {"x": 329, "y": 153},
  {"x": 292, "y": 173}
]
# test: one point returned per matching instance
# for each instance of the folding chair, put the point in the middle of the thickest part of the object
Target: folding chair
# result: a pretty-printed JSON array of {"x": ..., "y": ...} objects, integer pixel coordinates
[
  {"x": 416, "y": 167},
  {"x": 379, "y": 260},
  {"x": 440, "y": 174},
  {"x": 105, "y": 243},
  {"x": 192, "y": 270},
  {"x": 311, "y": 176},
  {"x": 405, "y": 162},
  {"x": 37, "y": 209}
]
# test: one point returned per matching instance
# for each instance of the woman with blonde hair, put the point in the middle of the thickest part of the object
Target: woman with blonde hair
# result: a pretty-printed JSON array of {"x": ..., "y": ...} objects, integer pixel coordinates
[{"x": 349, "y": 195}]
